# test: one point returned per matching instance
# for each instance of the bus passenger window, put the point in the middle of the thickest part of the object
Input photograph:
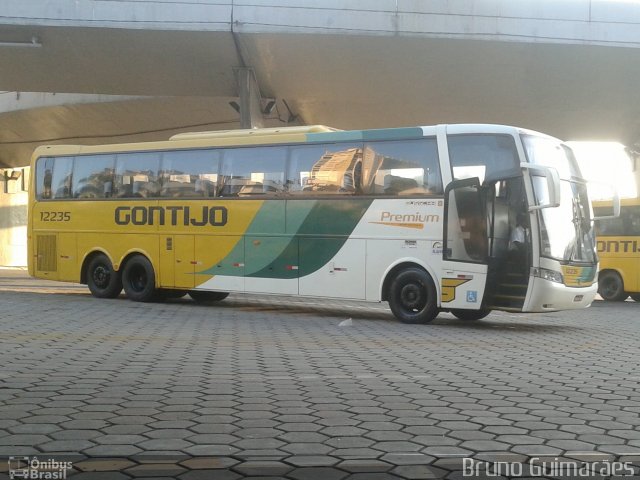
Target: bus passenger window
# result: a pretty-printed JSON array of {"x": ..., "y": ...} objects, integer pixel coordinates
[
  {"x": 57, "y": 180},
  {"x": 189, "y": 173},
  {"x": 93, "y": 176},
  {"x": 409, "y": 167},
  {"x": 136, "y": 175},
  {"x": 252, "y": 171},
  {"x": 325, "y": 169},
  {"x": 483, "y": 156},
  {"x": 44, "y": 176}
]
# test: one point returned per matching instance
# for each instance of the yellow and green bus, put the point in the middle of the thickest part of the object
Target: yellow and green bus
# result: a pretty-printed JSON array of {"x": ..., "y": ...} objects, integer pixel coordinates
[
  {"x": 419, "y": 217},
  {"x": 618, "y": 246}
]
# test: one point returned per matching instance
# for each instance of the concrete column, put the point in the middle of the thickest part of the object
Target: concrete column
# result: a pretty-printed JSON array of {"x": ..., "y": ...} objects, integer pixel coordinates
[
  {"x": 250, "y": 99},
  {"x": 13, "y": 220}
]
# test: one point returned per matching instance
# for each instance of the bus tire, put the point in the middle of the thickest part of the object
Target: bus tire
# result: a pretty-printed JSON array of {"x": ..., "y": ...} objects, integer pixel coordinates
[
  {"x": 413, "y": 296},
  {"x": 103, "y": 281},
  {"x": 470, "y": 315},
  {"x": 139, "y": 280},
  {"x": 201, "y": 296},
  {"x": 611, "y": 287},
  {"x": 635, "y": 297}
]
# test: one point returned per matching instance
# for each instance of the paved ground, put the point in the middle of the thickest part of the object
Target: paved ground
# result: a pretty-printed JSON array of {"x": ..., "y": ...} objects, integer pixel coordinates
[{"x": 266, "y": 386}]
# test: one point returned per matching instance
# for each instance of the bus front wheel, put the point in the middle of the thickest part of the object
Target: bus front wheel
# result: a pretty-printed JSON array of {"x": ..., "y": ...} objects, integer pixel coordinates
[
  {"x": 103, "y": 281},
  {"x": 204, "y": 297},
  {"x": 138, "y": 279},
  {"x": 412, "y": 296},
  {"x": 611, "y": 287}
]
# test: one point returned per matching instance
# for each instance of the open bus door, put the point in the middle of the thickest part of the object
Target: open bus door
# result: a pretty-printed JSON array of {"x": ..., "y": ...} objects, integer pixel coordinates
[{"x": 466, "y": 248}]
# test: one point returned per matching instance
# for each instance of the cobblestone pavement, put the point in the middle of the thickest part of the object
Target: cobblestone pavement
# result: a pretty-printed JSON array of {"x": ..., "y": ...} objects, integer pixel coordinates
[{"x": 276, "y": 387}]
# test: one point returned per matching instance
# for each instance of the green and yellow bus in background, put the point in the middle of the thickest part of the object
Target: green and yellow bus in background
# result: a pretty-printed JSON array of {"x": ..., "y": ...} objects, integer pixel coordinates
[
  {"x": 419, "y": 217},
  {"x": 618, "y": 245}
]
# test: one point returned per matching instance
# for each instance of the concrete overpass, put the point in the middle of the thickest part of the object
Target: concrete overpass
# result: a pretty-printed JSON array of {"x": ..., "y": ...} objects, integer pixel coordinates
[
  {"x": 566, "y": 67},
  {"x": 101, "y": 71}
]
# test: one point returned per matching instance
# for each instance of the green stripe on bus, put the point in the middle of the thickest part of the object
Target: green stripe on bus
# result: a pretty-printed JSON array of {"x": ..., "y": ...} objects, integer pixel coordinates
[
  {"x": 317, "y": 241},
  {"x": 311, "y": 243},
  {"x": 366, "y": 135}
]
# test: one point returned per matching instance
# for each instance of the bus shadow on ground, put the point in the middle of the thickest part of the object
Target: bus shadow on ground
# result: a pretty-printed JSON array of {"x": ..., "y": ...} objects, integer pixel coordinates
[
  {"x": 503, "y": 325},
  {"x": 298, "y": 308},
  {"x": 493, "y": 322}
]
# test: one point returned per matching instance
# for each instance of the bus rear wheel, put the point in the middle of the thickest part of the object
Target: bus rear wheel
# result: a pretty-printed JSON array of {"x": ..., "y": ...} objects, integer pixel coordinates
[
  {"x": 103, "y": 281},
  {"x": 204, "y": 297},
  {"x": 139, "y": 280},
  {"x": 412, "y": 296},
  {"x": 471, "y": 315},
  {"x": 611, "y": 287}
]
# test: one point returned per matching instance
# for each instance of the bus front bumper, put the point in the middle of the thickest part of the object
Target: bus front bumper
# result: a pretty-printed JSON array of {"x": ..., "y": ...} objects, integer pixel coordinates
[{"x": 547, "y": 296}]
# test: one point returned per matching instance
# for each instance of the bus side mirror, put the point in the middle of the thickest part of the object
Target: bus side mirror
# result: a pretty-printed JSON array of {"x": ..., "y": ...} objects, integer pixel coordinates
[{"x": 552, "y": 191}]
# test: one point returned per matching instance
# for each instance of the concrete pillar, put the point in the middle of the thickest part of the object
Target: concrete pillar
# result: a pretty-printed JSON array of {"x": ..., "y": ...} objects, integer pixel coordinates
[
  {"x": 13, "y": 220},
  {"x": 250, "y": 98}
]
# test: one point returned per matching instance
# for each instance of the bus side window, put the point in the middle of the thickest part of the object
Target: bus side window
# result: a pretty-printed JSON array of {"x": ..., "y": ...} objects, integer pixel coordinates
[
  {"x": 189, "y": 173},
  {"x": 253, "y": 171},
  {"x": 633, "y": 221},
  {"x": 44, "y": 176},
  {"x": 483, "y": 156},
  {"x": 325, "y": 169},
  {"x": 611, "y": 226},
  {"x": 403, "y": 167},
  {"x": 136, "y": 175},
  {"x": 93, "y": 176},
  {"x": 61, "y": 177}
]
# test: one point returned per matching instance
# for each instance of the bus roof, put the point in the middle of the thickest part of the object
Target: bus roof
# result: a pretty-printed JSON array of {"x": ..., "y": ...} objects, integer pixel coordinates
[
  {"x": 267, "y": 136},
  {"x": 255, "y": 132}
]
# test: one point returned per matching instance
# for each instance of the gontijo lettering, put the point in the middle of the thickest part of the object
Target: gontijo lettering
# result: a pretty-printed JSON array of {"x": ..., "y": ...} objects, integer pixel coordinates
[
  {"x": 172, "y": 215},
  {"x": 615, "y": 246}
]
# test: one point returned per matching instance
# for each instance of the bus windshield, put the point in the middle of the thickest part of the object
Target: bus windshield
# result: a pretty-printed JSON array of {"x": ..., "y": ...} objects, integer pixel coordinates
[{"x": 566, "y": 231}]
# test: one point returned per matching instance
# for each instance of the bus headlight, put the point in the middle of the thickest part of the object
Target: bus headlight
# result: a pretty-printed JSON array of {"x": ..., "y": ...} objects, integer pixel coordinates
[{"x": 547, "y": 274}]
